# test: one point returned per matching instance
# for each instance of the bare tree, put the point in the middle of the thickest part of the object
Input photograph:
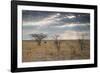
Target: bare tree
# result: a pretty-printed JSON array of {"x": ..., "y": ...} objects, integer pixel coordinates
[
  {"x": 57, "y": 41},
  {"x": 81, "y": 41},
  {"x": 83, "y": 36},
  {"x": 39, "y": 37}
]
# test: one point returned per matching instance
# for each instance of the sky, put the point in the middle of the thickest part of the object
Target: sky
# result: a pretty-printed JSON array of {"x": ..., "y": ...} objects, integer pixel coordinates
[{"x": 69, "y": 26}]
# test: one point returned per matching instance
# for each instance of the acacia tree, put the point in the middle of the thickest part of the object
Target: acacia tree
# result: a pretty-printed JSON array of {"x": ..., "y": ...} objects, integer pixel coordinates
[{"x": 39, "y": 37}]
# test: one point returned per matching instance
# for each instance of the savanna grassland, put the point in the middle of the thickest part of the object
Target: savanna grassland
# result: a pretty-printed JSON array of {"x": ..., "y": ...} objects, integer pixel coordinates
[{"x": 47, "y": 51}]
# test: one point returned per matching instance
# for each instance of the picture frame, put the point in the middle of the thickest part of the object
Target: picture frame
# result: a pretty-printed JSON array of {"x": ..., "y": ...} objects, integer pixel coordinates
[{"x": 18, "y": 19}]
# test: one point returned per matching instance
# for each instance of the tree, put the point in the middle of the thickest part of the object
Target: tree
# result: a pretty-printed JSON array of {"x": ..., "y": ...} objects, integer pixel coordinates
[
  {"x": 57, "y": 41},
  {"x": 81, "y": 41},
  {"x": 39, "y": 37},
  {"x": 83, "y": 35}
]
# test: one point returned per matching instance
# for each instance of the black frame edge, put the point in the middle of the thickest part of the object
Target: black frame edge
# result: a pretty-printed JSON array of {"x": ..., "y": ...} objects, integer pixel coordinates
[
  {"x": 55, "y": 68},
  {"x": 55, "y": 4},
  {"x": 95, "y": 36},
  {"x": 13, "y": 36}
]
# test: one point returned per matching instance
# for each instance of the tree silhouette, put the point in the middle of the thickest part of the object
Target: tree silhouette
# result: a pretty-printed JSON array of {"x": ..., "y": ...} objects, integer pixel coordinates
[
  {"x": 57, "y": 41},
  {"x": 81, "y": 41},
  {"x": 39, "y": 37}
]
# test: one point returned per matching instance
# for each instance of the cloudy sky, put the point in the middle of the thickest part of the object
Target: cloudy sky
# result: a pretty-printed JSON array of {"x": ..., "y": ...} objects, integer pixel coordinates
[{"x": 66, "y": 24}]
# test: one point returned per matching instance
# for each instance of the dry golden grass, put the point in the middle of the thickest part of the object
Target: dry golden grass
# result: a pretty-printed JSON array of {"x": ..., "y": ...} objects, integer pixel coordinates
[{"x": 69, "y": 50}]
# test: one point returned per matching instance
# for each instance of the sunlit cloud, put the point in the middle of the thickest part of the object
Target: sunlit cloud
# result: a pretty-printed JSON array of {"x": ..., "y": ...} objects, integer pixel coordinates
[
  {"x": 45, "y": 21},
  {"x": 70, "y": 16}
]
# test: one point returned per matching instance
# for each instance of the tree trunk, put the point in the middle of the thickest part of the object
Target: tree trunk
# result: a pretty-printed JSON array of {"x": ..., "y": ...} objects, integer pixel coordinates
[
  {"x": 81, "y": 44},
  {"x": 39, "y": 43}
]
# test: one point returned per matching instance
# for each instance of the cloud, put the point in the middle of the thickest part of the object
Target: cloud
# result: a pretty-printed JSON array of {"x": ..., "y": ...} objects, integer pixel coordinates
[
  {"x": 67, "y": 31},
  {"x": 44, "y": 21},
  {"x": 69, "y": 34},
  {"x": 76, "y": 27},
  {"x": 70, "y": 16},
  {"x": 65, "y": 24}
]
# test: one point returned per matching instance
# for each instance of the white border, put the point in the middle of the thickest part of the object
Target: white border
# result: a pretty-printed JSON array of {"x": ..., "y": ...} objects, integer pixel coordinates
[{"x": 53, "y": 63}]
